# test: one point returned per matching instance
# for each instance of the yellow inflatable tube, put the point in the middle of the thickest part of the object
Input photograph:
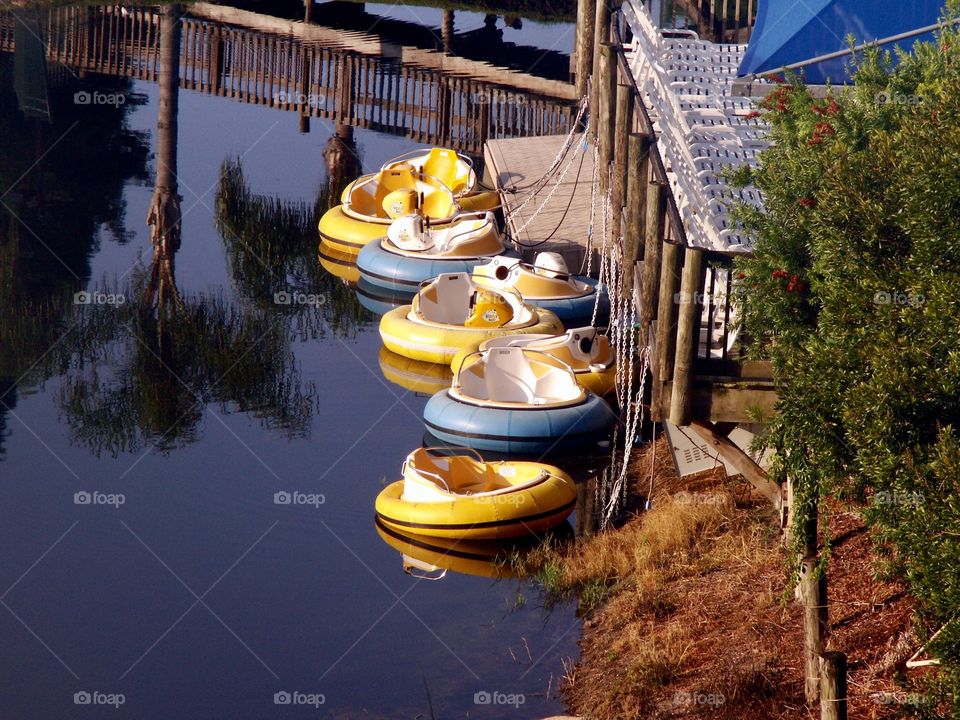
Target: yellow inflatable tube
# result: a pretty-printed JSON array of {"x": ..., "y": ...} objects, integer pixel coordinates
[
  {"x": 436, "y": 343},
  {"x": 545, "y": 496}
]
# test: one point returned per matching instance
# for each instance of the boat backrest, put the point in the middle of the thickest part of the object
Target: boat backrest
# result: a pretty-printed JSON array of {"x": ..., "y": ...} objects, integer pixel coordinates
[
  {"x": 446, "y": 166},
  {"x": 557, "y": 384},
  {"x": 551, "y": 264},
  {"x": 509, "y": 376},
  {"x": 398, "y": 177},
  {"x": 449, "y": 301},
  {"x": 437, "y": 204}
]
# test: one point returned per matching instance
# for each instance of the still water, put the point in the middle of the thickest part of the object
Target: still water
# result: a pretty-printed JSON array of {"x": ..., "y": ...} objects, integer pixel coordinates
[{"x": 187, "y": 468}]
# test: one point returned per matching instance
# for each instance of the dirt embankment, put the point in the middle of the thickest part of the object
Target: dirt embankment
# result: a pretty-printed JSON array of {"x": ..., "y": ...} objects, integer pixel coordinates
[{"x": 686, "y": 610}]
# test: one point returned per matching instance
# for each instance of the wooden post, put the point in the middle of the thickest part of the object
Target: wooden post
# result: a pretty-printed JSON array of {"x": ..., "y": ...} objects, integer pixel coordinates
[
  {"x": 601, "y": 36},
  {"x": 624, "y": 121},
  {"x": 655, "y": 202},
  {"x": 446, "y": 31},
  {"x": 637, "y": 148},
  {"x": 833, "y": 686},
  {"x": 810, "y": 587},
  {"x": 688, "y": 336},
  {"x": 586, "y": 10},
  {"x": 605, "y": 127},
  {"x": 672, "y": 255}
]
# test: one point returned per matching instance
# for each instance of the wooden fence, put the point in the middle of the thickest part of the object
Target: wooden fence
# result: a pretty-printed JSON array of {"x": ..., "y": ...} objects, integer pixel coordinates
[{"x": 261, "y": 68}]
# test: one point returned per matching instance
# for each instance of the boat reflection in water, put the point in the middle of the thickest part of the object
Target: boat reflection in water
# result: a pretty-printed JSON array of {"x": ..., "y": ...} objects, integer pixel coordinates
[
  {"x": 414, "y": 375},
  {"x": 432, "y": 557}
]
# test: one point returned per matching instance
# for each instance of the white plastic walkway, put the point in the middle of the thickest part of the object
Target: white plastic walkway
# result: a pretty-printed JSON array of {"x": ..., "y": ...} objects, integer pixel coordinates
[{"x": 687, "y": 85}]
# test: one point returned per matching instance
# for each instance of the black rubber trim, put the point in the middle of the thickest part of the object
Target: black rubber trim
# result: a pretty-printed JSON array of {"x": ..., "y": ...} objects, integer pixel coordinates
[{"x": 492, "y": 523}]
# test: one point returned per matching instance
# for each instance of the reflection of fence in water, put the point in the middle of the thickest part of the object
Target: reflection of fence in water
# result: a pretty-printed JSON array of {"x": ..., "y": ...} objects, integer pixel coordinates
[{"x": 253, "y": 66}]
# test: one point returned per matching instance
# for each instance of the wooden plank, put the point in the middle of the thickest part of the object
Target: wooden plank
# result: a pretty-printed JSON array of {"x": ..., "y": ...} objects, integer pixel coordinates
[{"x": 740, "y": 461}]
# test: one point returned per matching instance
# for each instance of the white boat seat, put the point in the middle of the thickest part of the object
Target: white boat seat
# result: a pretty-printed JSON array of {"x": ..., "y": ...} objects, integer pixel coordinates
[
  {"x": 509, "y": 376},
  {"x": 452, "y": 304}
]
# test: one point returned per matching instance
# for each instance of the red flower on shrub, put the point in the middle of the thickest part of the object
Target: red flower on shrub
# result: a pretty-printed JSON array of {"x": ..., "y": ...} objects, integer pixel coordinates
[
  {"x": 807, "y": 202},
  {"x": 752, "y": 115}
]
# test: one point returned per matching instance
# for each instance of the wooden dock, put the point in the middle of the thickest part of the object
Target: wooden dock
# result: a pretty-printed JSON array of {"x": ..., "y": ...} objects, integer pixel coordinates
[{"x": 561, "y": 222}]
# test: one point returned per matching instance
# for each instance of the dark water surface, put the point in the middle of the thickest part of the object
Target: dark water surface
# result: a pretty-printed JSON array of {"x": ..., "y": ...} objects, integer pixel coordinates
[{"x": 182, "y": 584}]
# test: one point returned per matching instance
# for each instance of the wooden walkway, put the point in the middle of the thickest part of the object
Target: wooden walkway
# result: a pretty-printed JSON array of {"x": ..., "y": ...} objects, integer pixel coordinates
[
  {"x": 346, "y": 77},
  {"x": 561, "y": 223}
]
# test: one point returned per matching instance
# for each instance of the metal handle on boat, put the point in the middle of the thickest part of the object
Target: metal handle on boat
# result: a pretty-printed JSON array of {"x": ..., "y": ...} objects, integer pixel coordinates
[
  {"x": 455, "y": 385},
  {"x": 424, "y": 574}
]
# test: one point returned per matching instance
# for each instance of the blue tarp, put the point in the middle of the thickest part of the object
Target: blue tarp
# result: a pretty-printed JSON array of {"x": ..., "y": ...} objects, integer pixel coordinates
[{"x": 790, "y": 31}]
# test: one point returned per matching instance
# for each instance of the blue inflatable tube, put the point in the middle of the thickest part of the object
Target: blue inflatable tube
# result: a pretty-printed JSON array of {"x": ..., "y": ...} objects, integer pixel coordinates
[
  {"x": 379, "y": 300},
  {"x": 574, "y": 311},
  {"x": 525, "y": 431},
  {"x": 403, "y": 273}
]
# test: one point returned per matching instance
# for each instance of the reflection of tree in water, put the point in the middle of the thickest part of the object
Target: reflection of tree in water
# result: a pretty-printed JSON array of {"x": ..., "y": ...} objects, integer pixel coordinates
[
  {"x": 62, "y": 177},
  {"x": 147, "y": 369},
  {"x": 272, "y": 248},
  {"x": 147, "y": 373}
]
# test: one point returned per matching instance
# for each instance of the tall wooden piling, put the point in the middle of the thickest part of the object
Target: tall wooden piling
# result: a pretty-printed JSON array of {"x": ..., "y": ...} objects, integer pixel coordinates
[
  {"x": 622, "y": 125},
  {"x": 606, "y": 70},
  {"x": 688, "y": 336},
  {"x": 636, "y": 155},
  {"x": 601, "y": 37},
  {"x": 672, "y": 255},
  {"x": 586, "y": 11},
  {"x": 655, "y": 205}
]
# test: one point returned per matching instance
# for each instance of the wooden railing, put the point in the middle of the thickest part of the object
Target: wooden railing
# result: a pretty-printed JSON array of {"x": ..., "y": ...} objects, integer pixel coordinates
[
  {"x": 720, "y": 21},
  {"x": 252, "y": 66}
]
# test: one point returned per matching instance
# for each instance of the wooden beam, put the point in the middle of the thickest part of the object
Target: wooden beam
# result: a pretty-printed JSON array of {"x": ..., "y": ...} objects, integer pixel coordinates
[
  {"x": 742, "y": 463},
  {"x": 601, "y": 36},
  {"x": 622, "y": 125}
]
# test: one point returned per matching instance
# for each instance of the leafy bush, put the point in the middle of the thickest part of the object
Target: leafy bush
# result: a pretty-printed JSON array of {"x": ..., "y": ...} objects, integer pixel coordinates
[{"x": 853, "y": 289}]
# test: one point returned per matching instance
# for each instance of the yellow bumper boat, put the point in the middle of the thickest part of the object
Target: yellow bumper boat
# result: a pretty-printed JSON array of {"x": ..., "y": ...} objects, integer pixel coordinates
[
  {"x": 374, "y": 201},
  {"x": 453, "y": 313},
  {"x": 339, "y": 264},
  {"x": 549, "y": 284},
  {"x": 457, "y": 496},
  {"x": 584, "y": 350},
  {"x": 452, "y": 169}
]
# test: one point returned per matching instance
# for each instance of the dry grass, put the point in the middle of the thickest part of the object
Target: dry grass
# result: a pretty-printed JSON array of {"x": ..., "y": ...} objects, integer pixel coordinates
[{"x": 686, "y": 616}]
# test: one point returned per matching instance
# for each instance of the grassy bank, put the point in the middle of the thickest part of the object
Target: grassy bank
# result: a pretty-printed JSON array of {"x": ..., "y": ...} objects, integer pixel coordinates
[{"x": 689, "y": 614}]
